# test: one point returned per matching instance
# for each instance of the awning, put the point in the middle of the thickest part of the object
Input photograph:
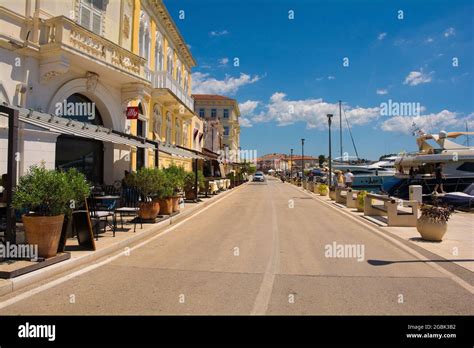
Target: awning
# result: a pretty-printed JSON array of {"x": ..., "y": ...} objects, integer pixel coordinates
[
  {"x": 177, "y": 151},
  {"x": 67, "y": 126}
]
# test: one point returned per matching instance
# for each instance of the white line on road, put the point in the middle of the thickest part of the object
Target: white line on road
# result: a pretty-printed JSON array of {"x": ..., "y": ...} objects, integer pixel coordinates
[
  {"x": 265, "y": 292},
  {"x": 67, "y": 277}
]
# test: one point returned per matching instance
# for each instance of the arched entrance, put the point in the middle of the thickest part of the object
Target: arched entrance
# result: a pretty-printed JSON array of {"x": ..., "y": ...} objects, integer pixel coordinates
[{"x": 86, "y": 155}]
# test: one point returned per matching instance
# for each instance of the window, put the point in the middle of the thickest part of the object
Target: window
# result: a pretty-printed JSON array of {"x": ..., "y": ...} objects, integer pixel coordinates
[
  {"x": 159, "y": 57},
  {"x": 185, "y": 133},
  {"x": 177, "y": 132},
  {"x": 226, "y": 113},
  {"x": 186, "y": 81},
  {"x": 157, "y": 120},
  {"x": 90, "y": 15},
  {"x": 144, "y": 36},
  {"x": 467, "y": 167},
  {"x": 168, "y": 127},
  {"x": 226, "y": 131},
  {"x": 170, "y": 61},
  {"x": 179, "y": 74},
  {"x": 202, "y": 113},
  {"x": 213, "y": 113}
]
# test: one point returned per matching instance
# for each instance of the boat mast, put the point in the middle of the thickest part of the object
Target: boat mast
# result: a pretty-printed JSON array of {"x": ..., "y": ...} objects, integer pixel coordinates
[{"x": 340, "y": 129}]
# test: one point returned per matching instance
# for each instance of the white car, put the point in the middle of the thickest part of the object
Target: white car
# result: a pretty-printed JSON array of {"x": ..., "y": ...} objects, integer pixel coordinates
[{"x": 259, "y": 177}]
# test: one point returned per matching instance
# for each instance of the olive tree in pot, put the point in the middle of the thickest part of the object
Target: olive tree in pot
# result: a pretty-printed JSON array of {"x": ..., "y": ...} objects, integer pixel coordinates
[
  {"x": 147, "y": 181},
  {"x": 189, "y": 184},
  {"x": 175, "y": 176},
  {"x": 360, "y": 200},
  {"x": 433, "y": 222},
  {"x": 48, "y": 195}
]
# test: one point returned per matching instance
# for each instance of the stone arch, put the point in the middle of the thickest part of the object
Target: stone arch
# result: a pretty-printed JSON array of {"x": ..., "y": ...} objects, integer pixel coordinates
[{"x": 108, "y": 107}]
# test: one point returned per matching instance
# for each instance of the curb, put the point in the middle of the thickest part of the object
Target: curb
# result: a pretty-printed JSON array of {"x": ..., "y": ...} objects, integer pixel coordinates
[{"x": 25, "y": 280}]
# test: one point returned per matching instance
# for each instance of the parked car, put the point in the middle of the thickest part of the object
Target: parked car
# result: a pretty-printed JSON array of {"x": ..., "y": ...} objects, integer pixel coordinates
[{"x": 259, "y": 177}]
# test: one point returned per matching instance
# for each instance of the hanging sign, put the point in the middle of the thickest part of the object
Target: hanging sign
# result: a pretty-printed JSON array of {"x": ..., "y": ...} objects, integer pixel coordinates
[{"x": 132, "y": 112}]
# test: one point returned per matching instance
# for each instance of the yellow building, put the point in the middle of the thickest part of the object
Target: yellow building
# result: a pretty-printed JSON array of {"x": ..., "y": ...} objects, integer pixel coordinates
[{"x": 106, "y": 55}]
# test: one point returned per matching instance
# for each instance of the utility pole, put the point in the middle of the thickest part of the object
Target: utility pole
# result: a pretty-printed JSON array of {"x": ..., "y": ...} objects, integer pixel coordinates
[
  {"x": 302, "y": 160},
  {"x": 329, "y": 116},
  {"x": 340, "y": 129}
]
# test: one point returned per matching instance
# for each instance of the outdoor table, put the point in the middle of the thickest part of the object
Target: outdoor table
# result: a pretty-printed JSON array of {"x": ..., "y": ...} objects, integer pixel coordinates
[{"x": 110, "y": 208}]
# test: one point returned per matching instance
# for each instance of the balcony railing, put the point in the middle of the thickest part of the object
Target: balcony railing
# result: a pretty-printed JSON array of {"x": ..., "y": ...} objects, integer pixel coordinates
[
  {"x": 162, "y": 79},
  {"x": 61, "y": 32}
]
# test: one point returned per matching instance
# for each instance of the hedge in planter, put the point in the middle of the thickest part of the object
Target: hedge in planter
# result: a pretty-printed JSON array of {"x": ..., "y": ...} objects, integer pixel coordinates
[
  {"x": 148, "y": 182},
  {"x": 189, "y": 181},
  {"x": 175, "y": 176},
  {"x": 48, "y": 195}
]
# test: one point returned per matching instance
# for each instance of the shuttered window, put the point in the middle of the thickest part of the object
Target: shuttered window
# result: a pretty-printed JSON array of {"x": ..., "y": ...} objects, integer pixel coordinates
[{"x": 90, "y": 15}]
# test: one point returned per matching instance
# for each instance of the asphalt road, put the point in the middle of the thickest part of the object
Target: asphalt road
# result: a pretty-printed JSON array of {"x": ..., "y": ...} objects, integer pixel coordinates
[{"x": 262, "y": 250}]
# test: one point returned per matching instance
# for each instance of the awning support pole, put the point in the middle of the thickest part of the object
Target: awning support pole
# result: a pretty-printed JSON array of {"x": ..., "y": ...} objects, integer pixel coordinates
[{"x": 12, "y": 164}]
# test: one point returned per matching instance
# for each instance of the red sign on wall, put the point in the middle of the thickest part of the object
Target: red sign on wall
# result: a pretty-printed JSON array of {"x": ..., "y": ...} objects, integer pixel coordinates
[{"x": 132, "y": 112}]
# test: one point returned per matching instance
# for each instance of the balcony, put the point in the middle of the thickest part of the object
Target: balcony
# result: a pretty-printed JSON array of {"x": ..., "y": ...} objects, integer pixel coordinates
[
  {"x": 64, "y": 43},
  {"x": 163, "y": 80}
]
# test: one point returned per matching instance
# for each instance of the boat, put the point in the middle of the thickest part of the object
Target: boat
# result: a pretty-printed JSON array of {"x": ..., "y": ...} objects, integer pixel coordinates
[{"x": 418, "y": 168}]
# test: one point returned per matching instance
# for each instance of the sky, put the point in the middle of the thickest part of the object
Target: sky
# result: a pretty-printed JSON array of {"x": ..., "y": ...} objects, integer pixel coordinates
[{"x": 397, "y": 66}]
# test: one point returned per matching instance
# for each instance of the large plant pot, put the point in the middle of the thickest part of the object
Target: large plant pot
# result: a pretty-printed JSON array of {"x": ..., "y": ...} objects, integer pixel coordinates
[
  {"x": 430, "y": 230},
  {"x": 175, "y": 201},
  {"x": 166, "y": 206},
  {"x": 190, "y": 195},
  {"x": 332, "y": 195},
  {"x": 323, "y": 192},
  {"x": 149, "y": 210},
  {"x": 45, "y": 232}
]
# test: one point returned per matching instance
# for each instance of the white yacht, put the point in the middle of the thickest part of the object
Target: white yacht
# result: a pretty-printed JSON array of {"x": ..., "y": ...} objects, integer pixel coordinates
[{"x": 418, "y": 168}]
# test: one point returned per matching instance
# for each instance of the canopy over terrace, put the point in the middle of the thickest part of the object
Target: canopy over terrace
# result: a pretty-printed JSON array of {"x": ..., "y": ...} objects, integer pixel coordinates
[{"x": 58, "y": 125}]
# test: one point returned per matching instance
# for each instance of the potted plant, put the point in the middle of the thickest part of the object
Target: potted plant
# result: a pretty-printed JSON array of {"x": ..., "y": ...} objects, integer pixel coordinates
[
  {"x": 148, "y": 182},
  {"x": 316, "y": 187},
  {"x": 323, "y": 190},
  {"x": 189, "y": 187},
  {"x": 47, "y": 196},
  {"x": 433, "y": 222},
  {"x": 360, "y": 200},
  {"x": 176, "y": 176},
  {"x": 164, "y": 195}
]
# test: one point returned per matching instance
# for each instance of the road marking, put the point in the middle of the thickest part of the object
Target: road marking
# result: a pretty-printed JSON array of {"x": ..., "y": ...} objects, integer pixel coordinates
[
  {"x": 70, "y": 276},
  {"x": 265, "y": 292},
  {"x": 399, "y": 244}
]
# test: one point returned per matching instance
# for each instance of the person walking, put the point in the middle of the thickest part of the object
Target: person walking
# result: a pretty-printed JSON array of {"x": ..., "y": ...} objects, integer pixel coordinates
[
  {"x": 339, "y": 179},
  {"x": 439, "y": 176},
  {"x": 348, "y": 177}
]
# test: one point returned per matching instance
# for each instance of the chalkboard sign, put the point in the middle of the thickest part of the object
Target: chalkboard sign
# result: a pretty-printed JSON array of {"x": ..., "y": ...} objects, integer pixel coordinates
[{"x": 82, "y": 226}]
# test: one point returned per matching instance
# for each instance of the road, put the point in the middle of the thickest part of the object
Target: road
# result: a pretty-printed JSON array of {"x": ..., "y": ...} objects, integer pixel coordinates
[{"x": 261, "y": 250}]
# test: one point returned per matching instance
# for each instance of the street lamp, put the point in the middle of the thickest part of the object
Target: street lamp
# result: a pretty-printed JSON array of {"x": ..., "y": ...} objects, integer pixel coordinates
[
  {"x": 291, "y": 161},
  {"x": 302, "y": 160},
  {"x": 329, "y": 116}
]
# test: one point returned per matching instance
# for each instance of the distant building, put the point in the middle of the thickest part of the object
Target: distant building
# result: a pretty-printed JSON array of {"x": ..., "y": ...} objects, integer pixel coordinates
[{"x": 284, "y": 162}]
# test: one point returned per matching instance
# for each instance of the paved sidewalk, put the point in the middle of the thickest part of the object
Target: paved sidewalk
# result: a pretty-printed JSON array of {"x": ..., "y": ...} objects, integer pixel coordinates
[
  {"x": 457, "y": 245},
  {"x": 106, "y": 245}
]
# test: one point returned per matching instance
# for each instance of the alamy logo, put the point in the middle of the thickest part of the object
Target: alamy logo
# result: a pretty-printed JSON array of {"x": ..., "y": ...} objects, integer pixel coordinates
[
  {"x": 76, "y": 109},
  {"x": 19, "y": 251},
  {"x": 37, "y": 331},
  {"x": 393, "y": 108},
  {"x": 237, "y": 156},
  {"x": 348, "y": 251}
]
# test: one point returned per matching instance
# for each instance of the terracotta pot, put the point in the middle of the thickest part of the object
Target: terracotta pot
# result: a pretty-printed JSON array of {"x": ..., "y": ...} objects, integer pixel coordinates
[
  {"x": 175, "y": 201},
  {"x": 166, "y": 206},
  {"x": 430, "y": 230},
  {"x": 45, "y": 232},
  {"x": 149, "y": 210}
]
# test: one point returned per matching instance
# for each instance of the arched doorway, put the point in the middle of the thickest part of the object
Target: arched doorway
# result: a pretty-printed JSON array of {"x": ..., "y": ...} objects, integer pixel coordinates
[{"x": 86, "y": 155}]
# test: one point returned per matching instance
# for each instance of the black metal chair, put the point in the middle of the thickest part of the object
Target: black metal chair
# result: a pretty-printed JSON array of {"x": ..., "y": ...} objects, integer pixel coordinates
[
  {"x": 101, "y": 211},
  {"x": 129, "y": 206}
]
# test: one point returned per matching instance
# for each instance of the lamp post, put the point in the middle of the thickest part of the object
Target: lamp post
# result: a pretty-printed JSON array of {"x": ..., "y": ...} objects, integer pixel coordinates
[
  {"x": 302, "y": 160},
  {"x": 291, "y": 164},
  {"x": 329, "y": 116}
]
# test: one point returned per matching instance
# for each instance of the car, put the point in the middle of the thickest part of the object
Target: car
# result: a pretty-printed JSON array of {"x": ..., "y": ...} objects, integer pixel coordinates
[{"x": 259, "y": 177}]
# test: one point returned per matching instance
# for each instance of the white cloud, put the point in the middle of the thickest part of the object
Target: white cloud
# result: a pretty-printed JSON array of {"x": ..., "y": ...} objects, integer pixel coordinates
[
  {"x": 245, "y": 122},
  {"x": 330, "y": 77},
  {"x": 204, "y": 84},
  {"x": 311, "y": 111},
  {"x": 429, "y": 40},
  {"x": 433, "y": 122},
  {"x": 415, "y": 78},
  {"x": 381, "y": 36},
  {"x": 247, "y": 108},
  {"x": 223, "y": 61},
  {"x": 381, "y": 91},
  {"x": 219, "y": 33},
  {"x": 449, "y": 32}
]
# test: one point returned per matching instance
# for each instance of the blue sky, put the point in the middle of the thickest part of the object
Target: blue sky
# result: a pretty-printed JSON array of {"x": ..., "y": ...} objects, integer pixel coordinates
[{"x": 291, "y": 72}]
